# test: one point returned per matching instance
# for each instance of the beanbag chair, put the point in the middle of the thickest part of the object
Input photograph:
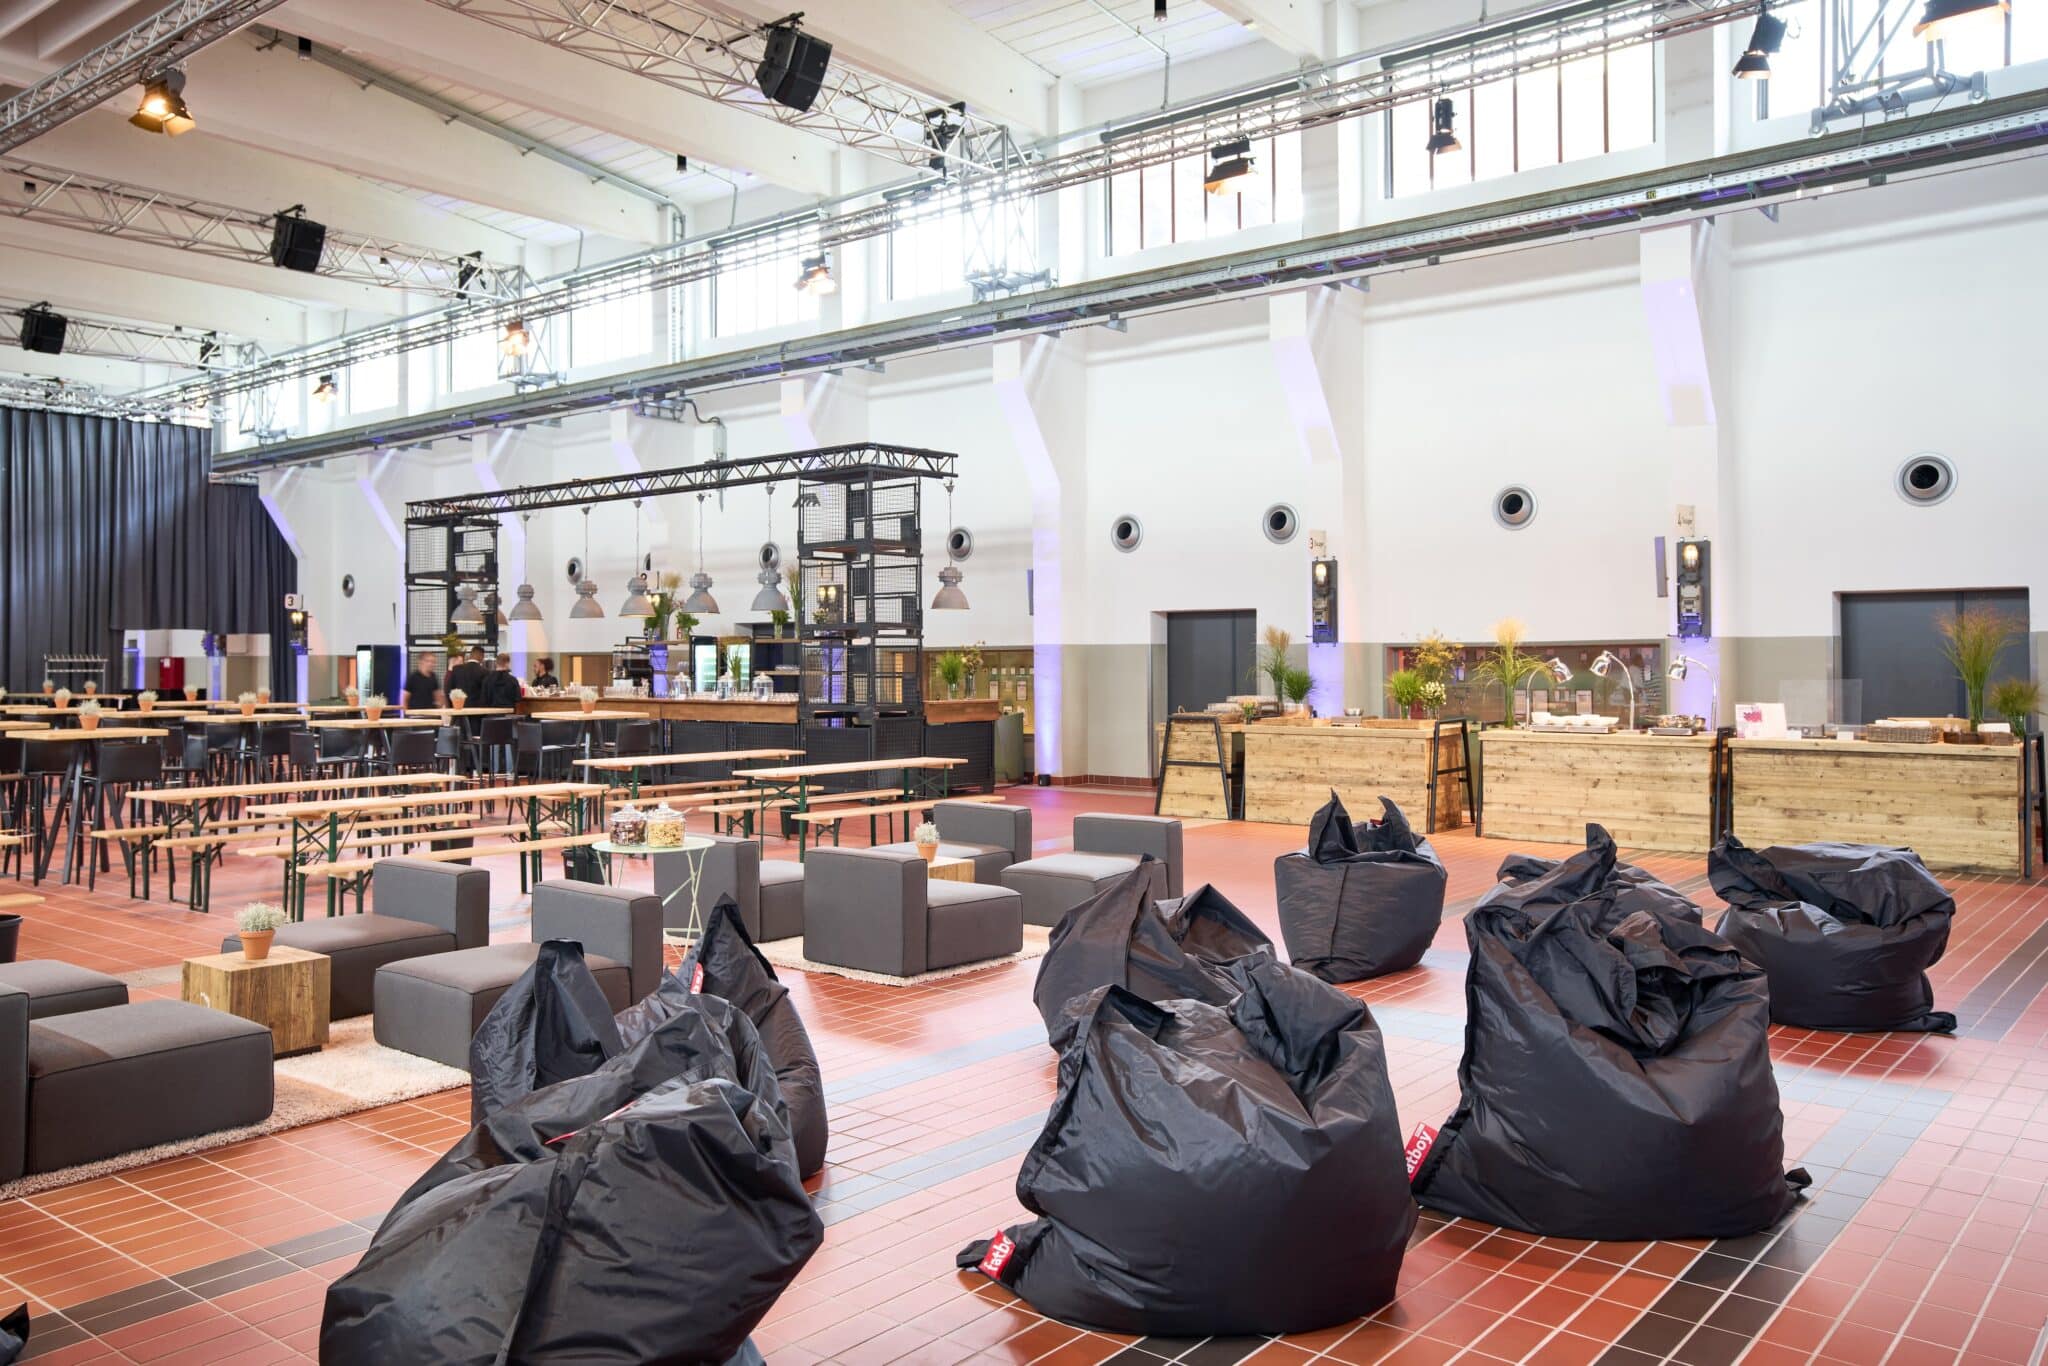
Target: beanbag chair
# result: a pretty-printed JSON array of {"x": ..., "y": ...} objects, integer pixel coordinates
[
  {"x": 1359, "y": 902},
  {"x": 725, "y": 963},
  {"x": 1158, "y": 950},
  {"x": 1844, "y": 932},
  {"x": 552, "y": 1024},
  {"x": 1213, "y": 1172},
  {"x": 648, "y": 1211},
  {"x": 1596, "y": 874},
  {"x": 1616, "y": 1082}
]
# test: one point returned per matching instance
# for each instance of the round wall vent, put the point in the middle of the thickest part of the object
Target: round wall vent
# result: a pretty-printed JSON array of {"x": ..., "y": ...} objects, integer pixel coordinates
[
  {"x": 769, "y": 555},
  {"x": 348, "y": 585},
  {"x": 959, "y": 543},
  {"x": 1926, "y": 478},
  {"x": 575, "y": 569},
  {"x": 1514, "y": 507},
  {"x": 1280, "y": 522},
  {"x": 1126, "y": 532}
]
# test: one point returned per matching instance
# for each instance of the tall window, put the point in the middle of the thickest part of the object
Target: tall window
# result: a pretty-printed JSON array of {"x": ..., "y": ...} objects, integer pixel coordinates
[
  {"x": 1537, "y": 116},
  {"x": 928, "y": 254},
  {"x": 612, "y": 330},
  {"x": 1800, "y": 69},
  {"x": 1155, "y": 205},
  {"x": 473, "y": 361},
  {"x": 755, "y": 287},
  {"x": 372, "y": 385}
]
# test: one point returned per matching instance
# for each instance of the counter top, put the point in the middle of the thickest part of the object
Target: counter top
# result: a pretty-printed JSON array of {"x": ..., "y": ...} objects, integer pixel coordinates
[
  {"x": 1290, "y": 768},
  {"x": 1650, "y": 791},
  {"x": 2008, "y": 753},
  {"x": 1617, "y": 738}
]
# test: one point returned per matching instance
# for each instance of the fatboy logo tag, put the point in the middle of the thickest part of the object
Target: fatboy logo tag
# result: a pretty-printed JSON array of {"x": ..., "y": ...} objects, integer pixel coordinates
[
  {"x": 697, "y": 978},
  {"x": 1001, "y": 1248},
  {"x": 1419, "y": 1145}
]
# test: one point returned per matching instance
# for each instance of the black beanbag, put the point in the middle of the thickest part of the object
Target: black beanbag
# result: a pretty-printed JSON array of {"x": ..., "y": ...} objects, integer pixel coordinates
[
  {"x": 1845, "y": 932},
  {"x": 1617, "y": 1081},
  {"x": 1213, "y": 1172},
  {"x": 726, "y": 963},
  {"x": 1359, "y": 902},
  {"x": 1159, "y": 950},
  {"x": 552, "y": 1024}
]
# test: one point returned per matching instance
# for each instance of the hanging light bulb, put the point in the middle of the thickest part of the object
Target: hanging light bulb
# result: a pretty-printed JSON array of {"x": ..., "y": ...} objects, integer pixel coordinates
[
  {"x": 770, "y": 598},
  {"x": 700, "y": 603},
  {"x": 163, "y": 106},
  {"x": 949, "y": 598},
  {"x": 637, "y": 604},
  {"x": 526, "y": 609},
  {"x": 586, "y": 592}
]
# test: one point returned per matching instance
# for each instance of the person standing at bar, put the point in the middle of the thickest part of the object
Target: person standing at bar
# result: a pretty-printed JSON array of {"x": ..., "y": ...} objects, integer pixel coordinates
[
  {"x": 421, "y": 689},
  {"x": 467, "y": 674},
  {"x": 500, "y": 687},
  {"x": 544, "y": 677}
]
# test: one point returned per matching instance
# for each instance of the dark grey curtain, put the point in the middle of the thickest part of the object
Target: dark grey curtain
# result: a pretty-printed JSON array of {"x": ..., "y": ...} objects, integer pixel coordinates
[{"x": 108, "y": 526}]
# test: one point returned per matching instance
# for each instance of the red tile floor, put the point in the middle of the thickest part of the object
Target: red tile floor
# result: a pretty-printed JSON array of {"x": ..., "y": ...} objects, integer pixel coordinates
[{"x": 1925, "y": 1238}]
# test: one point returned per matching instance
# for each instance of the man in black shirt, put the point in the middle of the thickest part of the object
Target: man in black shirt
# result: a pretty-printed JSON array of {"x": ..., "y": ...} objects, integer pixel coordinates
[
  {"x": 500, "y": 687},
  {"x": 421, "y": 689},
  {"x": 544, "y": 675},
  {"x": 467, "y": 674}
]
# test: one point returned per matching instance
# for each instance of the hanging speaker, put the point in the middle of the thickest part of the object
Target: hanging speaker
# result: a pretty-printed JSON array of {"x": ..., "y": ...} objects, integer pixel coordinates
[
  {"x": 793, "y": 67},
  {"x": 42, "y": 331},
  {"x": 296, "y": 243}
]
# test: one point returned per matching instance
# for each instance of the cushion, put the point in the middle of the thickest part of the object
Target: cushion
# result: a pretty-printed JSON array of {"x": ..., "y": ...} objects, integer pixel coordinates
[
  {"x": 782, "y": 900},
  {"x": 432, "y": 1005},
  {"x": 967, "y": 922},
  {"x": 494, "y": 966},
  {"x": 357, "y": 946},
  {"x": 989, "y": 860},
  {"x": 56, "y": 988},
  {"x": 152, "y": 1029},
  {"x": 1082, "y": 867}
]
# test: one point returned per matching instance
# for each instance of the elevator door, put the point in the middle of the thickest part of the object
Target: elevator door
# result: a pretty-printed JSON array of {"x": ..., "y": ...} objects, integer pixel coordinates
[
  {"x": 1208, "y": 658},
  {"x": 1891, "y": 643}
]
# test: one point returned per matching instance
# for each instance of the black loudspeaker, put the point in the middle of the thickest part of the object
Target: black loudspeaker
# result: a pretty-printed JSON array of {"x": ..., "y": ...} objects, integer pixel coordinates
[
  {"x": 295, "y": 243},
  {"x": 42, "y": 331},
  {"x": 793, "y": 67},
  {"x": 1322, "y": 601}
]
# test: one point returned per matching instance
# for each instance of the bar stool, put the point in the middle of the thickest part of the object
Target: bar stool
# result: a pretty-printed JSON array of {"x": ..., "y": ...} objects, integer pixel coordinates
[
  {"x": 274, "y": 749},
  {"x": 413, "y": 751},
  {"x": 14, "y": 801},
  {"x": 119, "y": 767},
  {"x": 630, "y": 739},
  {"x": 451, "y": 748},
  {"x": 494, "y": 745}
]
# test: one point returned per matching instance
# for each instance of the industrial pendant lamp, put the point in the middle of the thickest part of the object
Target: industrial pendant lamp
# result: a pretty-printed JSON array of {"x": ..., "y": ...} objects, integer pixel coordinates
[
  {"x": 636, "y": 604},
  {"x": 700, "y": 603},
  {"x": 770, "y": 598},
  {"x": 466, "y": 612},
  {"x": 526, "y": 609},
  {"x": 586, "y": 591},
  {"x": 1764, "y": 41},
  {"x": 1443, "y": 136},
  {"x": 949, "y": 598},
  {"x": 1943, "y": 19}
]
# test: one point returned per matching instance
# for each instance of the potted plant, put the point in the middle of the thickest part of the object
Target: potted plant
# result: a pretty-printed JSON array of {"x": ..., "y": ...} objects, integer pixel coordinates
[
  {"x": 263, "y": 692},
  {"x": 247, "y": 702},
  {"x": 451, "y": 647},
  {"x": 257, "y": 922},
  {"x": 456, "y": 698},
  {"x": 1404, "y": 690},
  {"x": 92, "y": 687},
  {"x": 373, "y": 706},
  {"x": 793, "y": 577},
  {"x": 1295, "y": 686},
  {"x": 952, "y": 668},
  {"x": 1507, "y": 666},
  {"x": 88, "y": 715},
  {"x": 1250, "y": 711},
  {"x": 62, "y": 697},
  {"x": 352, "y": 695},
  {"x": 1271, "y": 664},
  {"x": 2016, "y": 699},
  {"x": 779, "y": 617},
  {"x": 586, "y": 697},
  {"x": 927, "y": 837},
  {"x": 1971, "y": 641},
  {"x": 663, "y": 601},
  {"x": 48, "y": 687},
  {"x": 1434, "y": 696},
  {"x": 145, "y": 701},
  {"x": 971, "y": 660},
  {"x": 685, "y": 623}
]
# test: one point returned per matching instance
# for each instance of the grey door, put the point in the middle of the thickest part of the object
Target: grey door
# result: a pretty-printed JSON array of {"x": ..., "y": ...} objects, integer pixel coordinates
[
  {"x": 1891, "y": 643},
  {"x": 1208, "y": 658}
]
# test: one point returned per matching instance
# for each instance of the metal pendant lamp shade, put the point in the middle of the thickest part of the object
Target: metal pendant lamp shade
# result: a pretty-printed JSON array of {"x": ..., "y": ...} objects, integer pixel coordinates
[
  {"x": 495, "y": 605},
  {"x": 466, "y": 612},
  {"x": 1944, "y": 18},
  {"x": 700, "y": 603},
  {"x": 586, "y": 592},
  {"x": 636, "y": 603},
  {"x": 526, "y": 609}
]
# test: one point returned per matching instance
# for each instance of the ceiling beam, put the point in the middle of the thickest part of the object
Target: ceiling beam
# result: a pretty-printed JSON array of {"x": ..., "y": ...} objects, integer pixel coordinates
[
  {"x": 108, "y": 290},
  {"x": 18, "y": 13},
  {"x": 930, "y": 46},
  {"x": 1293, "y": 26},
  {"x": 505, "y": 65},
  {"x": 116, "y": 376},
  {"x": 76, "y": 21}
]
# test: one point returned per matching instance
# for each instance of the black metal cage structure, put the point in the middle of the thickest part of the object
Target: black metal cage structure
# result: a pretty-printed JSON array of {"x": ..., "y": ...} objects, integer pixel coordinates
[
  {"x": 860, "y": 633},
  {"x": 442, "y": 555}
]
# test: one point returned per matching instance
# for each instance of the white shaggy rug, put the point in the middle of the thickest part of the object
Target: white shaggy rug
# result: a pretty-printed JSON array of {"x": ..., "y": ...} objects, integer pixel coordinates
[
  {"x": 353, "y": 1073},
  {"x": 789, "y": 953}
]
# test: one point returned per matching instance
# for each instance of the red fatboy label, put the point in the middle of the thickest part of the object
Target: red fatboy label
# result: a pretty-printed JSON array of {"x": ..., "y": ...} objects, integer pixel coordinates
[
  {"x": 697, "y": 978},
  {"x": 1001, "y": 1248},
  {"x": 1419, "y": 1144}
]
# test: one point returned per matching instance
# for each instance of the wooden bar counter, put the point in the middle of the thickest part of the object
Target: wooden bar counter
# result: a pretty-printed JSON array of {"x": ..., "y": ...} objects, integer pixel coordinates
[
  {"x": 1650, "y": 791},
  {"x": 1290, "y": 767},
  {"x": 1957, "y": 806},
  {"x": 675, "y": 708}
]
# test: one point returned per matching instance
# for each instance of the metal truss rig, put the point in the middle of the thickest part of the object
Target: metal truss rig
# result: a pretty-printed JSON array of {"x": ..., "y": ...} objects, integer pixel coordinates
[
  {"x": 47, "y": 194},
  {"x": 163, "y": 40},
  {"x": 123, "y": 341},
  {"x": 715, "y": 56},
  {"x": 825, "y": 464}
]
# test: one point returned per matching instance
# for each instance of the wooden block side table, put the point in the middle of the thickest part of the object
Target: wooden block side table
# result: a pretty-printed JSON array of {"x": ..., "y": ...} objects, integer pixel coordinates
[
  {"x": 951, "y": 869},
  {"x": 286, "y": 992}
]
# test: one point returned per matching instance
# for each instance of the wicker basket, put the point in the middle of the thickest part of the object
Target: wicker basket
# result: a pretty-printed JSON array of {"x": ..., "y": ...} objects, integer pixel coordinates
[{"x": 1893, "y": 734}]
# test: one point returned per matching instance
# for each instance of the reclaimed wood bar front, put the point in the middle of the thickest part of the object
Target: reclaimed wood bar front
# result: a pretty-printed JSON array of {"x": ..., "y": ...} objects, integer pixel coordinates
[
  {"x": 1650, "y": 791},
  {"x": 1957, "y": 806},
  {"x": 1290, "y": 767}
]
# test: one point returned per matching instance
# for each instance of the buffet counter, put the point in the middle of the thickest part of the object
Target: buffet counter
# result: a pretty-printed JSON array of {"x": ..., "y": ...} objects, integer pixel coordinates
[
  {"x": 1957, "y": 806},
  {"x": 1291, "y": 766},
  {"x": 1650, "y": 791},
  {"x": 675, "y": 708}
]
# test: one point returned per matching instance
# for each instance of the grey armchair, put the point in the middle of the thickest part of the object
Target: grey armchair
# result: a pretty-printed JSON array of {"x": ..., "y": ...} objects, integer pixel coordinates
[
  {"x": 878, "y": 910},
  {"x": 1105, "y": 847},
  {"x": 432, "y": 1005},
  {"x": 994, "y": 837},
  {"x": 769, "y": 892},
  {"x": 418, "y": 908}
]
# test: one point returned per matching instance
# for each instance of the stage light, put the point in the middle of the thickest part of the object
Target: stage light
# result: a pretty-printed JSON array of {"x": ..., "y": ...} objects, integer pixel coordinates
[
  {"x": 816, "y": 277},
  {"x": 515, "y": 340},
  {"x": 1443, "y": 135},
  {"x": 163, "y": 106},
  {"x": 1230, "y": 167},
  {"x": 1945, "y": 18},
  {"x": 1764, "y": 41},
  {"x": 326, "y": 391}
]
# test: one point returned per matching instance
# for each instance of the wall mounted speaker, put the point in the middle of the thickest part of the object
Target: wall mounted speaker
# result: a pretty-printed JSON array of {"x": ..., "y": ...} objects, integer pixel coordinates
[
  {"x": 959, "y": 543},
  {"x": 1126, "y": 533},
  {"x": 1280, "y": 522},
  {"x": 793, "y": 67},
  {"x": 296, "y": 242},
  {"x": 1514, "y": 507},
  {"x": 42, "y": 331},
  {"x": 1695, "y": 606},
  {"x": 1926, "y": 478},
  {"x": 1322, "y": 601}
]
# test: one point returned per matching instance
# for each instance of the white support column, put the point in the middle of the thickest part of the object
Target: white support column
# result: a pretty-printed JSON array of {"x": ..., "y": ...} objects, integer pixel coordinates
[
  {"x": 369, "y": 468},
  {"x": 270, "y": 490},
  {"x": 1040, "y": 387},
  {"x": 826, "y": 409}
]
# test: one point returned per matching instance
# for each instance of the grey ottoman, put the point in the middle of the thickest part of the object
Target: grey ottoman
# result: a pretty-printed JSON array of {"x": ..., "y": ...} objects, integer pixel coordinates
[
  {"x": 105, "y": 1082},
  {"x": 782, "y": 900},
  {"x": 432, "y": 1005},
  {"x": 60, "y": 989},
  {"x": 1053, "y": 885}
]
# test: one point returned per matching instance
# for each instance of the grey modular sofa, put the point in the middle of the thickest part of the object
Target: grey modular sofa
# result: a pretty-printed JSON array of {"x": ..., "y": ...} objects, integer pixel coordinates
[
  {"x": 769, "y": 892},
  {"x": 432, "y": 1006},
  {"x": 420, "y": 908},
  {"x": 994, "y": 837},
  {"x": 81, "y": 1081},
  {"x": 1105, "y": 848},
  {"x": 879, "y": 911}
]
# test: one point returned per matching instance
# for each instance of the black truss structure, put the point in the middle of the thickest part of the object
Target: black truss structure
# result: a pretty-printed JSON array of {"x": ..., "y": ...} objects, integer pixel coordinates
[{"x": 826, "y": 462}]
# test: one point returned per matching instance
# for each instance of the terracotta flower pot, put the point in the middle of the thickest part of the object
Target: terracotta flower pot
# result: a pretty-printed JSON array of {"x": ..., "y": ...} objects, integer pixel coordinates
[
  {"x": 248, "y": 708},
  {"x": 49, "y": 689},
  {"x": 589, "y": 703},
  {"x": 929, "y": 851},
  {"x": 256, "y": 944},
  {"x": 88, "y": 720},
  {"x": 145, "y": 704},
  {"x": 62, "y": 702},
  {"x": 374, "y": 713},
  {"x": 458, "y": 703}
]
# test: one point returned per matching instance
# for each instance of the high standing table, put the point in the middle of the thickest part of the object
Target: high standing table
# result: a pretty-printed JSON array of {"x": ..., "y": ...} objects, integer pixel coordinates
[
  {"x": 72, "y": 788},
  {"x": 692, "y": 849}
]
